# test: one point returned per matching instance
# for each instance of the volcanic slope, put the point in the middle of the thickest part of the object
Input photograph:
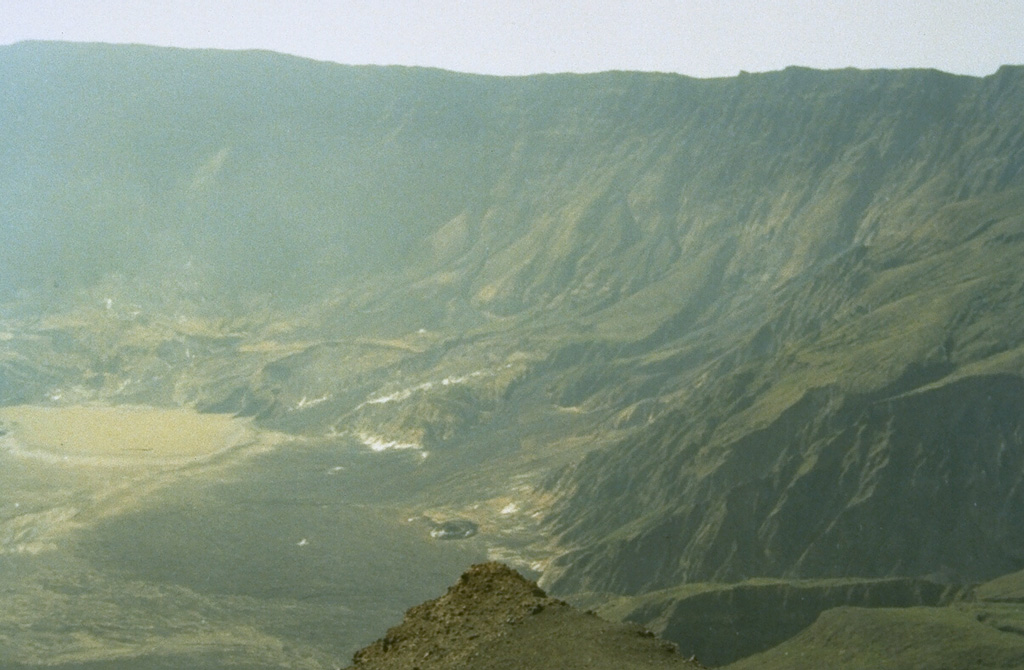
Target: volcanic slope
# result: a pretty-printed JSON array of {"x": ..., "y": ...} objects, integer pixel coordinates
[{"x": 698, "y": 330}]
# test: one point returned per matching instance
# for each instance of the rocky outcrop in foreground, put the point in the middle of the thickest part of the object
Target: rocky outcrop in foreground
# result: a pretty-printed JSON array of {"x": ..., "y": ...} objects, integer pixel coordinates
[{"x": 495, "y": 618}]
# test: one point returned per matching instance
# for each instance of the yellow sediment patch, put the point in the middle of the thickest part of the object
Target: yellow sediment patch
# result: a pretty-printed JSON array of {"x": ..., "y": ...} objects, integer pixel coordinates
[
  {"x": 123, "y": 434},
  {"x": 274, "y": 347}
]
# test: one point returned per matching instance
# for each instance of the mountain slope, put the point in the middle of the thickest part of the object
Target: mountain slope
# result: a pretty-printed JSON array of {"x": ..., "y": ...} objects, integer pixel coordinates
[
  {"x": 805, "y": 495},
  {"x": 765, "y": 326},
  {"x": 722, "y": 622},
  {"x": 849, "y": 637}
]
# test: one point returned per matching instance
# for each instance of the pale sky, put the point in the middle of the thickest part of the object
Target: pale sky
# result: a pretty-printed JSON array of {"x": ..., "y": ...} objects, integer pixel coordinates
[{"x": 702, "y": 38}]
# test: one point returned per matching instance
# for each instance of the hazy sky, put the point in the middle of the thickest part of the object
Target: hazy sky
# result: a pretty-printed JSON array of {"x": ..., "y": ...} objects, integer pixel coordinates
[{"x": 702, "y": 38}]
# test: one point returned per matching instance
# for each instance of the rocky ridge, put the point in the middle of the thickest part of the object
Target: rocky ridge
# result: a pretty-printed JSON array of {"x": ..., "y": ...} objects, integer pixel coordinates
[{"x": 495, "y": 618}]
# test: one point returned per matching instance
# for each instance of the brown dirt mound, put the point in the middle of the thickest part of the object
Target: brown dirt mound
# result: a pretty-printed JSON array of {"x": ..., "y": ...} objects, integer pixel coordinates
[{"x": 494, "y": 618}]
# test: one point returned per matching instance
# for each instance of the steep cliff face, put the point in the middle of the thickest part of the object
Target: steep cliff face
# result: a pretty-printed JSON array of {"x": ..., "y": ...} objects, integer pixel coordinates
[
  {"x": 660, "y": 195},
  {"x": 925, "y": 482}
]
